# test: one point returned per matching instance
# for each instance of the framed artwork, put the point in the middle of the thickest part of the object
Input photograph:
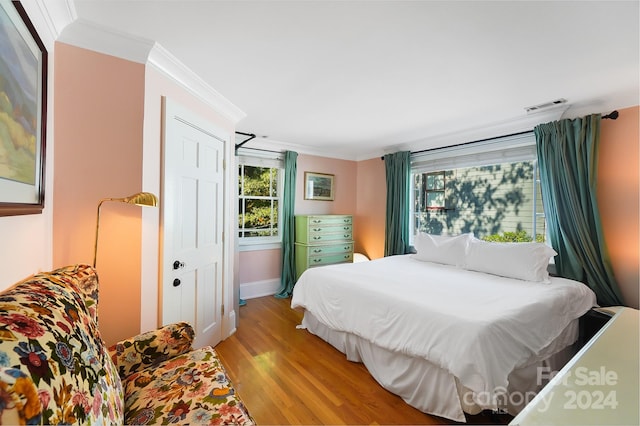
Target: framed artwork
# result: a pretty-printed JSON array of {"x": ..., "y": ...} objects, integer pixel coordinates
[
  {"x": 318, "y": 186},
  {"x": 23, "y": 112}
]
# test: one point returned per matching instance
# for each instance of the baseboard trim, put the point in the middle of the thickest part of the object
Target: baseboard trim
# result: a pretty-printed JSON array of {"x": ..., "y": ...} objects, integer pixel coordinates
[{"x": 259, "y": 288}]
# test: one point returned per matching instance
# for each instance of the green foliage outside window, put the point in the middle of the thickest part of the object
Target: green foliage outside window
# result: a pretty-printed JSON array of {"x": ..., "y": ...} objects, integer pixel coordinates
[
  {"x": 258, "y": 201},
  {"x": 514, "y": 237}
]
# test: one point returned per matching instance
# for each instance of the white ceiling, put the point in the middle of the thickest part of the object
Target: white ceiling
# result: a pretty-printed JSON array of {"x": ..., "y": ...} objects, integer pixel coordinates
[{"x": 353, "y": 79}]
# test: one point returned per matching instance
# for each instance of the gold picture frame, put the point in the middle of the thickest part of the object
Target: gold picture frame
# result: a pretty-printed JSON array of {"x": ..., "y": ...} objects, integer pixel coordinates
[{"x": 318, "y": 186}]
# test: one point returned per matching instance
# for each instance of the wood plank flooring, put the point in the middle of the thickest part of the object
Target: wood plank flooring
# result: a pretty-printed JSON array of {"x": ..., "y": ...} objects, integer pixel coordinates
[{"x": 289, "y": 376}]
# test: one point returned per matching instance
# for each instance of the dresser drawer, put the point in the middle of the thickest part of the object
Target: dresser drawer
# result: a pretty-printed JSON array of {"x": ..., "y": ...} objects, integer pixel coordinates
[
  {"x": 329, "y": 220},
  {"x": 318, "y": 250},
  {"x": 318, "y": 237},
  {"x": 318, "y": 229},
  {"x": 329, "y": 259}
]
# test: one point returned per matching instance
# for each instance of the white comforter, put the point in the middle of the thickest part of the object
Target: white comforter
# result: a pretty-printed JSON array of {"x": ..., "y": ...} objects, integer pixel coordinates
[{"x": 477, "y": 326}]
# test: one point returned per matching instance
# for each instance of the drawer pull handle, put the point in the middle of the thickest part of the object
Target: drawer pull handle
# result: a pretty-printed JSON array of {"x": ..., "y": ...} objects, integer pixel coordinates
[
  {"x": 317, "y": 260},
  {"x": 317, "y": 251},
  {"x": 346, "y": 256},
  {"x": 316, "y": 221},
  {"x": 317, "y": 238},
  {"x": 346, "y": 235},
  {"x": 317, "y": 229},
  {"x": 346, "y": 228}
]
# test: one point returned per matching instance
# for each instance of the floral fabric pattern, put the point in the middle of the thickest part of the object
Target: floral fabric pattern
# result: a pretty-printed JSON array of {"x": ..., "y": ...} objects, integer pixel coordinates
[
  {"x": 54, "y": 368},
  {"x": 192, "y": 388},
  {"x": 151, "y": 348}
]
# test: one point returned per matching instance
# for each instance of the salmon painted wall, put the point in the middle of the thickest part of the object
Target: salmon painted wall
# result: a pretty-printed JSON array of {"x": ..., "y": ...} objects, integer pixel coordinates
[
  {"x": 99, "y": 116},
  {"x": 344, "y": 201},
  {"x": 260, "y": 265},
  {"x": 371, "y": 199},
  {"x": 619, "y": 198}
]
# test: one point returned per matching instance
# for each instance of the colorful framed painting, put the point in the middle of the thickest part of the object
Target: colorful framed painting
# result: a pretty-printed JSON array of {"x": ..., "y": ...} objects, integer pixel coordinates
[
  {"x": 23, "y": 112},
  {"x": 318, "y": 186}
]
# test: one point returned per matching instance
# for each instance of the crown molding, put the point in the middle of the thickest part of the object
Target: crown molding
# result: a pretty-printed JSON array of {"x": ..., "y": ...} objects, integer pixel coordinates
[
  {"x": 165, "y": 62},
  {"x": 280, "y": 146},
  {"x": 476, "y": 133},
  {"x": 50, "y": 17},
  {"x": 89, "y": 35}
]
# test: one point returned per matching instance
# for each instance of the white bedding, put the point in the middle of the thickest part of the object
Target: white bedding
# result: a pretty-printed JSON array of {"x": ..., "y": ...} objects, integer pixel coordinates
[{"x": 479, "y": 327}]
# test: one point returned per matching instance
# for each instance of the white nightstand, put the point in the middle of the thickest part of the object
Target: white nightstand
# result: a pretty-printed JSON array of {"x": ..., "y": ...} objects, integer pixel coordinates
[{"x": 599, "y": 385}]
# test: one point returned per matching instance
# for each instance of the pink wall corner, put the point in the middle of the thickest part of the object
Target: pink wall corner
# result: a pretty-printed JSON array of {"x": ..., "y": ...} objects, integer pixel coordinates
[
  {"x": 371, "y": 208},
  {"x": 260, "y": 265},
  {"x": 98, "y": 154},
  {"x": 619, "y": 198},
  {"x": 344, "y": 185}
]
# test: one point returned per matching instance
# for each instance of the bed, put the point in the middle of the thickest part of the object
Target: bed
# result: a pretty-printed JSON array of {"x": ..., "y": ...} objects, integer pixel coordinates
[{"x": 443, "y": 335}]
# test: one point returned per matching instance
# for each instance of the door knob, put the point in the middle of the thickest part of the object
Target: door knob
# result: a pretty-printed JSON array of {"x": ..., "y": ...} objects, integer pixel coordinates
[
  {"x": 176, "y": 282},
  {"x": 177, "y": 264}
]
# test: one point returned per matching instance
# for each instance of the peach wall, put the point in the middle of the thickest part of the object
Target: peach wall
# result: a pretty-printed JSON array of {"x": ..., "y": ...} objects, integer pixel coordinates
[
  {"x": 371, "y": 199},
  {"x": 98, "y": 153},
  {"x": 619, "y": 200},
  {"x": 344, "y": 185},
  {"x": 260, "y": 265}
]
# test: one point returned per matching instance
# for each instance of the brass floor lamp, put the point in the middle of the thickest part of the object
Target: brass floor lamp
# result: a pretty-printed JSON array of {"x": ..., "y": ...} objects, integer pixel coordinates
[{"x": 139, "y": 199}]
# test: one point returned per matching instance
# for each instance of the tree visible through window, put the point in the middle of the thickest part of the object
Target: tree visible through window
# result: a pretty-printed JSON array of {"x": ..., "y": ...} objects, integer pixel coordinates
[{"x": 258, "y": 198}]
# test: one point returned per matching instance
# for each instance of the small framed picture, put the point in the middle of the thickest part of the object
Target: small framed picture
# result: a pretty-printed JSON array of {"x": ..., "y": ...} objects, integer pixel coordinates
[{"x": 318, "y": 186}]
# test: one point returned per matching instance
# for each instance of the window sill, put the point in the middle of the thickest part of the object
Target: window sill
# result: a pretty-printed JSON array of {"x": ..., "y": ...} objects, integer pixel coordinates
[{"x": 259, "y": 246}]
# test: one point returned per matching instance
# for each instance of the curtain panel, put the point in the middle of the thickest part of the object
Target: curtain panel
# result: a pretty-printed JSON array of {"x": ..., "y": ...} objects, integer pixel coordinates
[
  {"x": 568, "y": 162},
  {"x": 398, "y": 174},
  {"x": 288, "y": 277}
]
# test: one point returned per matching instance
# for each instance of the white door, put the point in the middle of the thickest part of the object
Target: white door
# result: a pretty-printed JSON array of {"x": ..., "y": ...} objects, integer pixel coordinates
[{"x": 192, "y": 224}]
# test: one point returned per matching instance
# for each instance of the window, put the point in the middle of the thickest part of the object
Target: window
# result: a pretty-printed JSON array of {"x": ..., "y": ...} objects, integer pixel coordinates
[
  {"x": 430, "y": 191},
  {"x": 490, "y": 188},
  {"x": 259, "y": 183}
]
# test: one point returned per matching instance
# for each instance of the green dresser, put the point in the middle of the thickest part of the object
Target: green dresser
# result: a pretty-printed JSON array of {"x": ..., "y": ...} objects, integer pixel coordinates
[{"x": 323, "y": 240}]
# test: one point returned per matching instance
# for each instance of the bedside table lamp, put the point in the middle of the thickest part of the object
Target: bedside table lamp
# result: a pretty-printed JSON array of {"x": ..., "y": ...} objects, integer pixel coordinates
[{"x": 139, "y": 199}]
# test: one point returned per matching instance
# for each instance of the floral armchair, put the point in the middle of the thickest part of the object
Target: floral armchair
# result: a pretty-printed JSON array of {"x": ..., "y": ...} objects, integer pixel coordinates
[{"x": 55, "y": 368}]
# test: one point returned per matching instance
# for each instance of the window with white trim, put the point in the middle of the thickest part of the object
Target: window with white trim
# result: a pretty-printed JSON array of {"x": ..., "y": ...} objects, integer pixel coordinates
[
  {"x": 260, "y": 178},
  {"x": 490, "y": 188}
]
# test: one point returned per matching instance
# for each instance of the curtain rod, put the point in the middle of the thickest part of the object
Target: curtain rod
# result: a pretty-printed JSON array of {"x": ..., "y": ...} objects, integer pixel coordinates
[
  {"x": 612, "y": 116},
  {"x": 260, "y": 149},
  {"x": 251, "y": 136}
]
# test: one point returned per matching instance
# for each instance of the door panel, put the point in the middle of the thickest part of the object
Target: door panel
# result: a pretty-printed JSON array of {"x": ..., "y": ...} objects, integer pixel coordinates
[{"x": 192, "y": 211}]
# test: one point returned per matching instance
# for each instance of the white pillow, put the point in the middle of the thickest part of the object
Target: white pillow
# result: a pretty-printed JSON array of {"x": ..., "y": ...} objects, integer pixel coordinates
[
  {"x": 449, "y": 250},
  {"x": 523, "y": 261}
]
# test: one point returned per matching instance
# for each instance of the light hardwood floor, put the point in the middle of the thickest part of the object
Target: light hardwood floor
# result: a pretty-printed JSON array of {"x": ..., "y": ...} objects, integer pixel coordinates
[{"x": 289, "y": 376}]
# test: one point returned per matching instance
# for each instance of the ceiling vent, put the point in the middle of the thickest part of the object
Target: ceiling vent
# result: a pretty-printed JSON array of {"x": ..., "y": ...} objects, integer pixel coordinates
[{"x": 546, "y": 105}]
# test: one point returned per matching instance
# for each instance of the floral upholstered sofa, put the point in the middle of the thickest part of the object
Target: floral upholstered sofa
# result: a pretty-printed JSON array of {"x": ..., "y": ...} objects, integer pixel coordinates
[{"x": 55, "y": 368}]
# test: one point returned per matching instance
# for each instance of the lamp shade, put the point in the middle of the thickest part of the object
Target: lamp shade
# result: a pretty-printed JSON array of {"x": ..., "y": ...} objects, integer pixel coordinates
[
  {"x": 138, "y": 199},
  {"x": 142, "y": 199}
]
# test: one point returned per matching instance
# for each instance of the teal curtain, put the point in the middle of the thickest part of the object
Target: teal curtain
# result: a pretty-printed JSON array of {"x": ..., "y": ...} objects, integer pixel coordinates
[
  {"x": 288, "y": 200},
  {"x": 398, "y": 172},
  {"x": 568, "y": 162}
]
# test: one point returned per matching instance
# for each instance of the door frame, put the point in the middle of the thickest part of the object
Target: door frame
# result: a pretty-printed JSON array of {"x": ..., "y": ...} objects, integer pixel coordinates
[{"x": 171, "y": 108}]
